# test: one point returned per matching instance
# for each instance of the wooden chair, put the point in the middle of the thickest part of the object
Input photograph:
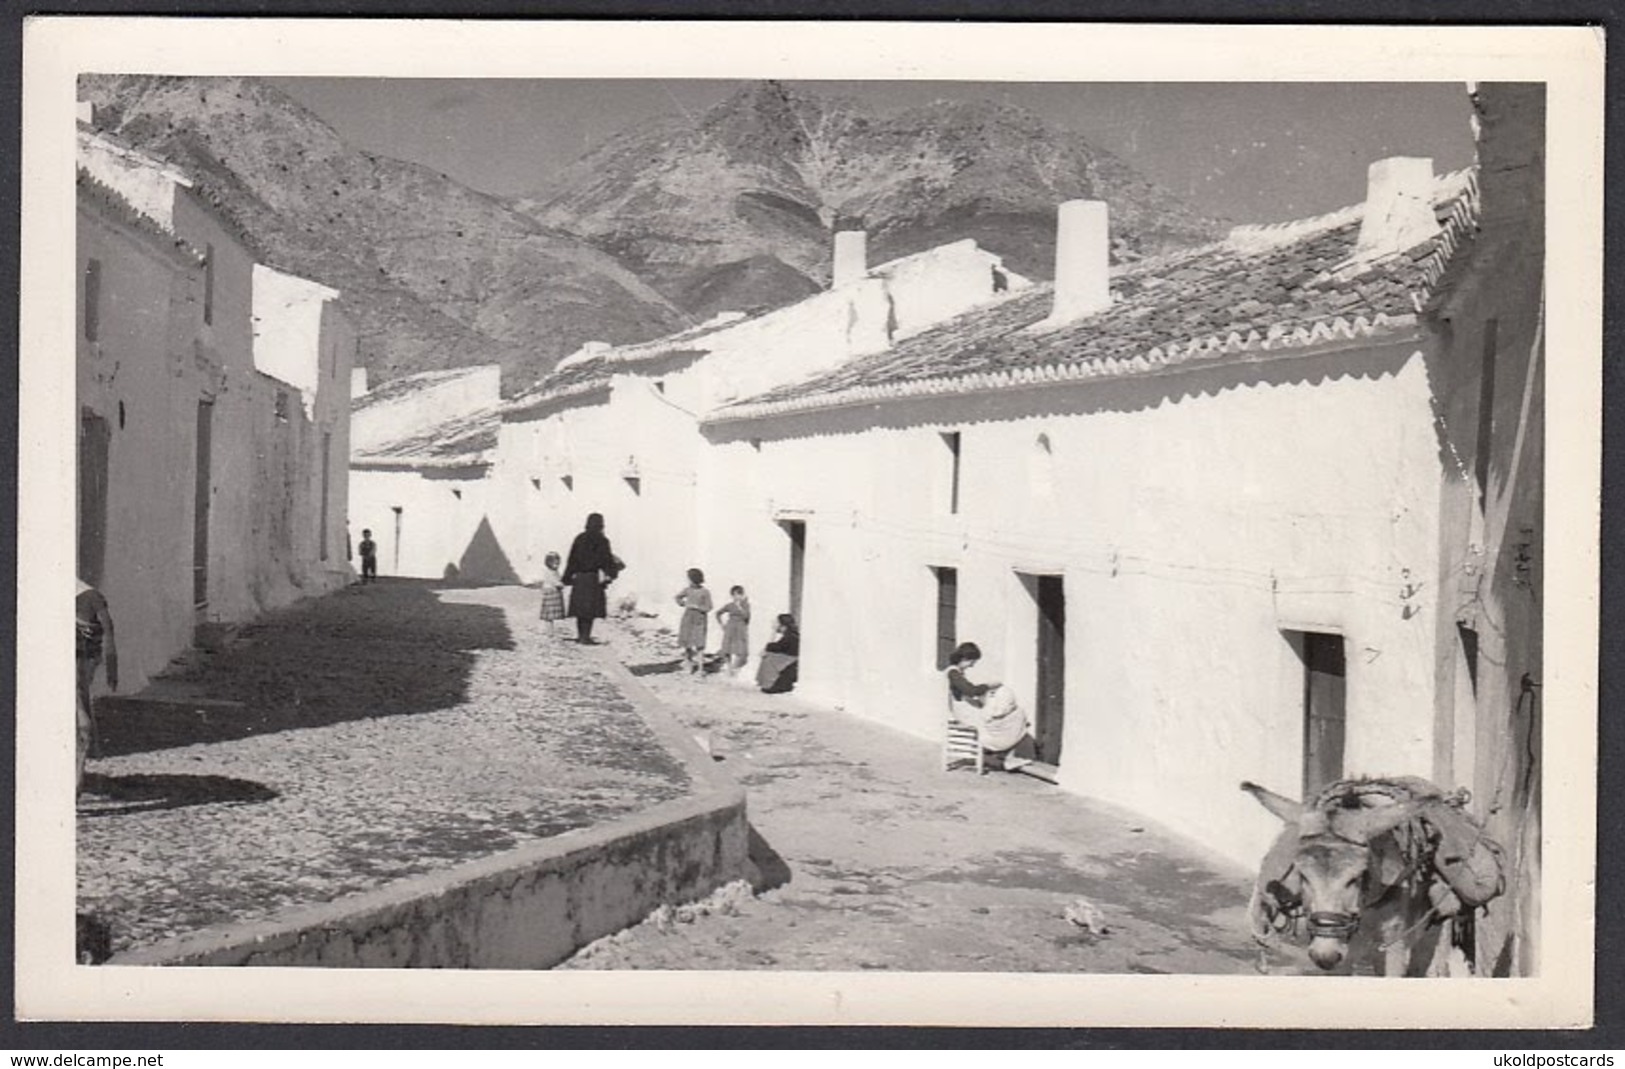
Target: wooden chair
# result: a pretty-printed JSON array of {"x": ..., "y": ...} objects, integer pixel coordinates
[{"x": 961, "y": 742}]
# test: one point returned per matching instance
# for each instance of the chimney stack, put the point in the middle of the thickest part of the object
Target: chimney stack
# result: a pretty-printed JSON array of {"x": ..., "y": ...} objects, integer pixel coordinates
[
  {"x": 1398, "y": 206},
  {"x": 358, "y": 381},
  {"x": 86, "y": 112},
  {"x": 1082, "y": 252},
  {"x": 851, "y": 257}
]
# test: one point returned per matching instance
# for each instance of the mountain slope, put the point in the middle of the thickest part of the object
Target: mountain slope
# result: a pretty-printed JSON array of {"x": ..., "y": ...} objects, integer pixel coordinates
[
  {"x": 434, "y": 274},
  {"x": 763, "y": 175}
]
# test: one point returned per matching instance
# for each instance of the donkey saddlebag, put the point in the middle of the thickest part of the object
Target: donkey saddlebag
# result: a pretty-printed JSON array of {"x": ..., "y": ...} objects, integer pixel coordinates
[{"x": 1464, "y": 856}]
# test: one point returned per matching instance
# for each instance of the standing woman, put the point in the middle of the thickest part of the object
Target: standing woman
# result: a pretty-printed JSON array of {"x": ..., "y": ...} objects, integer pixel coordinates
[{"x": 589, "y": 570}]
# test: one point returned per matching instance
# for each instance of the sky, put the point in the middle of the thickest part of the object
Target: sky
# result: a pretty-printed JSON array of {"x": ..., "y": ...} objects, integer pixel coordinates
[{"x": 1245, "y": 152}]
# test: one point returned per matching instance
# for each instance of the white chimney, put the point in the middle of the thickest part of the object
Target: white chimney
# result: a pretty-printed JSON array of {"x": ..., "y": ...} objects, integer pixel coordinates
[
  {"x": 1082, "y": 252},
  {"x": 87, "y": 112},
  {"x": 1398, "y": 206},
  {"x": 851, "y": 257},
  {"x": 358, "y": 382}
]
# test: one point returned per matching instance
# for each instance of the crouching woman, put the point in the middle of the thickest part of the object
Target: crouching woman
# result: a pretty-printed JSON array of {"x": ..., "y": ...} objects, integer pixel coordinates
[{"x": 992, "y": 708}]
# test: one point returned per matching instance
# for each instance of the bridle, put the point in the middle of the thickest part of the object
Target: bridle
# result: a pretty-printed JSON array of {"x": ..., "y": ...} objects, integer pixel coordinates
[{"x": 1337, "y": 924}]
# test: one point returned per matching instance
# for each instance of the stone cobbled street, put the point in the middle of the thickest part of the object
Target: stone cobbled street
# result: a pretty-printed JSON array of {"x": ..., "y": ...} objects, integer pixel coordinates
[
  {"x": 402, "y": 727},
  {"x": 386, "y": 731},
  {"x": 870, "y": 857}
]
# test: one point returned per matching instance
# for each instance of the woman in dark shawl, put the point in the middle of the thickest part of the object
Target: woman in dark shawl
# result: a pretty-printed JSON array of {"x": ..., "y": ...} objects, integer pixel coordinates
[{"x": 589, "y": 570}]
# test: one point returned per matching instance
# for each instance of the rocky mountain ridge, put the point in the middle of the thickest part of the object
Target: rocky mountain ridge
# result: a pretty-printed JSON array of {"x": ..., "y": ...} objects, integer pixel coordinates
[
  {"x": 434, "y": 274},
  {"x": 660, "y": 227},
  {"x": 704, "y": 208}
]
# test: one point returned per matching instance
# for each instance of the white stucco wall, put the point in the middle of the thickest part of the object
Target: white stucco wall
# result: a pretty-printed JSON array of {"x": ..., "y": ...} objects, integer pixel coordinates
[
  {"x": 392, "y": 413},
  {"x": 287, "y": 330},
  {"x": 437, "y": 526},
  {"x": 650, "y": 424},
  {"x": 147, "y": 184},
  {"x": 1191, "y": 532},
  {"x": 139, "y": 376}
]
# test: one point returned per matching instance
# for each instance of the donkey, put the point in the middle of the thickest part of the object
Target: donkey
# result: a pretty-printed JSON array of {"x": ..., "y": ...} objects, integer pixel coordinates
[{"x": 1359, "y": 873}]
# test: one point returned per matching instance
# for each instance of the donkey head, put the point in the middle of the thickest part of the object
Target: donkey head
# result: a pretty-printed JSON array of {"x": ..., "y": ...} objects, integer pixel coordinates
[{"x": 1338, "y": 867}]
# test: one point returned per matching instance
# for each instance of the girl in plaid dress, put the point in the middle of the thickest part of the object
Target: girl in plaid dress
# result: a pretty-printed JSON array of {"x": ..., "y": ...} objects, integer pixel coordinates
[{"x": 552, "y": 592}]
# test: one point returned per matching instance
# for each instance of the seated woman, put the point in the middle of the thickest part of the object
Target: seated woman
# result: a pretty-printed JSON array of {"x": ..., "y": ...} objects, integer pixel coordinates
[
  {"x": 992, "y": 708},
  {"x": 777, "y": 671}
]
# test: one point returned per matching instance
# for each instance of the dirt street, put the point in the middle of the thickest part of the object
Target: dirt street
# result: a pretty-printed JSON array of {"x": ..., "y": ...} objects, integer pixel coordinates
[{"x": 879, "y": 860}]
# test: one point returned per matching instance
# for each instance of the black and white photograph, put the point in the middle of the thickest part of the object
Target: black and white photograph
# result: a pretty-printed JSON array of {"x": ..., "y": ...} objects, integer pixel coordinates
[{"x": 889, "y": 524}]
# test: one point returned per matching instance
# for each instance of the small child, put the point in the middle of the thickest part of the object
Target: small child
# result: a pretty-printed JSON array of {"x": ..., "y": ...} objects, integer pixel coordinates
[
  {"x": 552, "y": 593},
  {"x": 735, "y": 620},
  {"x": 369, "y": 556},
  {"x": 696, "y": 603}
]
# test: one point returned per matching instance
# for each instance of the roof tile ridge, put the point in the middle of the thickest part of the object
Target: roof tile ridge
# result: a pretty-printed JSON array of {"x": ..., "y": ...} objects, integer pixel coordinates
[{"x": 116, "y": 202}]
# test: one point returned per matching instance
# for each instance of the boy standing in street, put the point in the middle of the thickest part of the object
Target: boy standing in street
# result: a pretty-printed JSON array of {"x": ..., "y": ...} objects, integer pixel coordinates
[{"x": 369, "y": 556}]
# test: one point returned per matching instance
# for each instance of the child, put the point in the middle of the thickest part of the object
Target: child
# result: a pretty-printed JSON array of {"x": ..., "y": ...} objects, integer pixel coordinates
[
  {"x": 735, "y": 620},
  {"x": 552, "y": 593},
  {"x": 696, "y": 603},
  {"x": 369, "y": 556}
]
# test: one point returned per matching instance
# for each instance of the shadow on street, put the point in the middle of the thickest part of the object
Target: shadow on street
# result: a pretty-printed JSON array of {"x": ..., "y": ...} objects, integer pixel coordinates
[
  {"x": 148, "y": 793},
  {"x": 389, "y": 648}
]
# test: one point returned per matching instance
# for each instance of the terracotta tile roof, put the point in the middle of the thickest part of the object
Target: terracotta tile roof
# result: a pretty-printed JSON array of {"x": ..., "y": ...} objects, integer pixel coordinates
[
  {"x": 115, "y": 206},
  {"x": 464, "y": 441},
  {"x": 1262, "y": 289},
  {"x": 582, "y": 375}
]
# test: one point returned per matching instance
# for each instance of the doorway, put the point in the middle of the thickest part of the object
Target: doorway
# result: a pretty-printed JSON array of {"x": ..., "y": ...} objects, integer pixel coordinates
[
  {"x": 200, "y": 509},
  {"x": 1048, "y": 594},
  {"x": 797, "y": 532},
  {"x": 1049, "y": 713},
  {"x": 1325, "y": 707},
  {"x": 94, "y": 438}
]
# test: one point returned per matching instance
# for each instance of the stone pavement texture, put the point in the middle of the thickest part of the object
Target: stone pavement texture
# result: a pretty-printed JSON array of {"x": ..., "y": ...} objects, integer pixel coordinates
[
  {"x": 385, "y": 731},
  {"x": 874, "y": 858},
  {"x": 394, "y": 729}
]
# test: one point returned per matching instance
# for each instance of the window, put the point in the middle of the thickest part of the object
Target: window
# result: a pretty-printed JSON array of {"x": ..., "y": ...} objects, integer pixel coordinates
[
  {"x": 208, "y": 283},
  {"x": 93, "y": 298},
  {"x": 947, "y": 613},
  {"x": 951, "y": 440}
]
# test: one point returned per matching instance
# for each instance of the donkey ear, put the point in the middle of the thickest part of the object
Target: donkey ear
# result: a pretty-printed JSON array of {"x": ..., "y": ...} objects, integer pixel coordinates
[{"x": 1282, "y": 806}]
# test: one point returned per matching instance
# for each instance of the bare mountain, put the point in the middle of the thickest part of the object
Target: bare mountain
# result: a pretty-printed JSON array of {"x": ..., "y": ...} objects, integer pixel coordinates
[
  {"x": 733, "y": 209},
  {"x": 434, "y": 274}
]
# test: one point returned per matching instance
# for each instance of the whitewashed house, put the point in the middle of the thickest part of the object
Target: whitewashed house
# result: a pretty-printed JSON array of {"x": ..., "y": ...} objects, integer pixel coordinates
[
  {"x": 616, "y": 430},
  {"x": 420, "y": 458},
  {"x": 213, "y": 397},
  {"x": 1188, "y": 508}
]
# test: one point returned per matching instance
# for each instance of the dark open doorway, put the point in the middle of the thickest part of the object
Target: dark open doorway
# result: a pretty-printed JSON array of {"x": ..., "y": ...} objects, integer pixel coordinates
[
  {"x": 201, "y": 500},
  {"x": 797, "y": 532},
  {"x": 1049, "y": 682},
  {"x": 1325, "y": 709}
]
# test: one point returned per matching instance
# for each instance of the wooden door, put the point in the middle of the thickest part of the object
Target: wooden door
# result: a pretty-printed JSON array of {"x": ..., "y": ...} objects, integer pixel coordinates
[
  {"x": 94, "y": 438},
  {"x": 1324, "y": 710}
]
